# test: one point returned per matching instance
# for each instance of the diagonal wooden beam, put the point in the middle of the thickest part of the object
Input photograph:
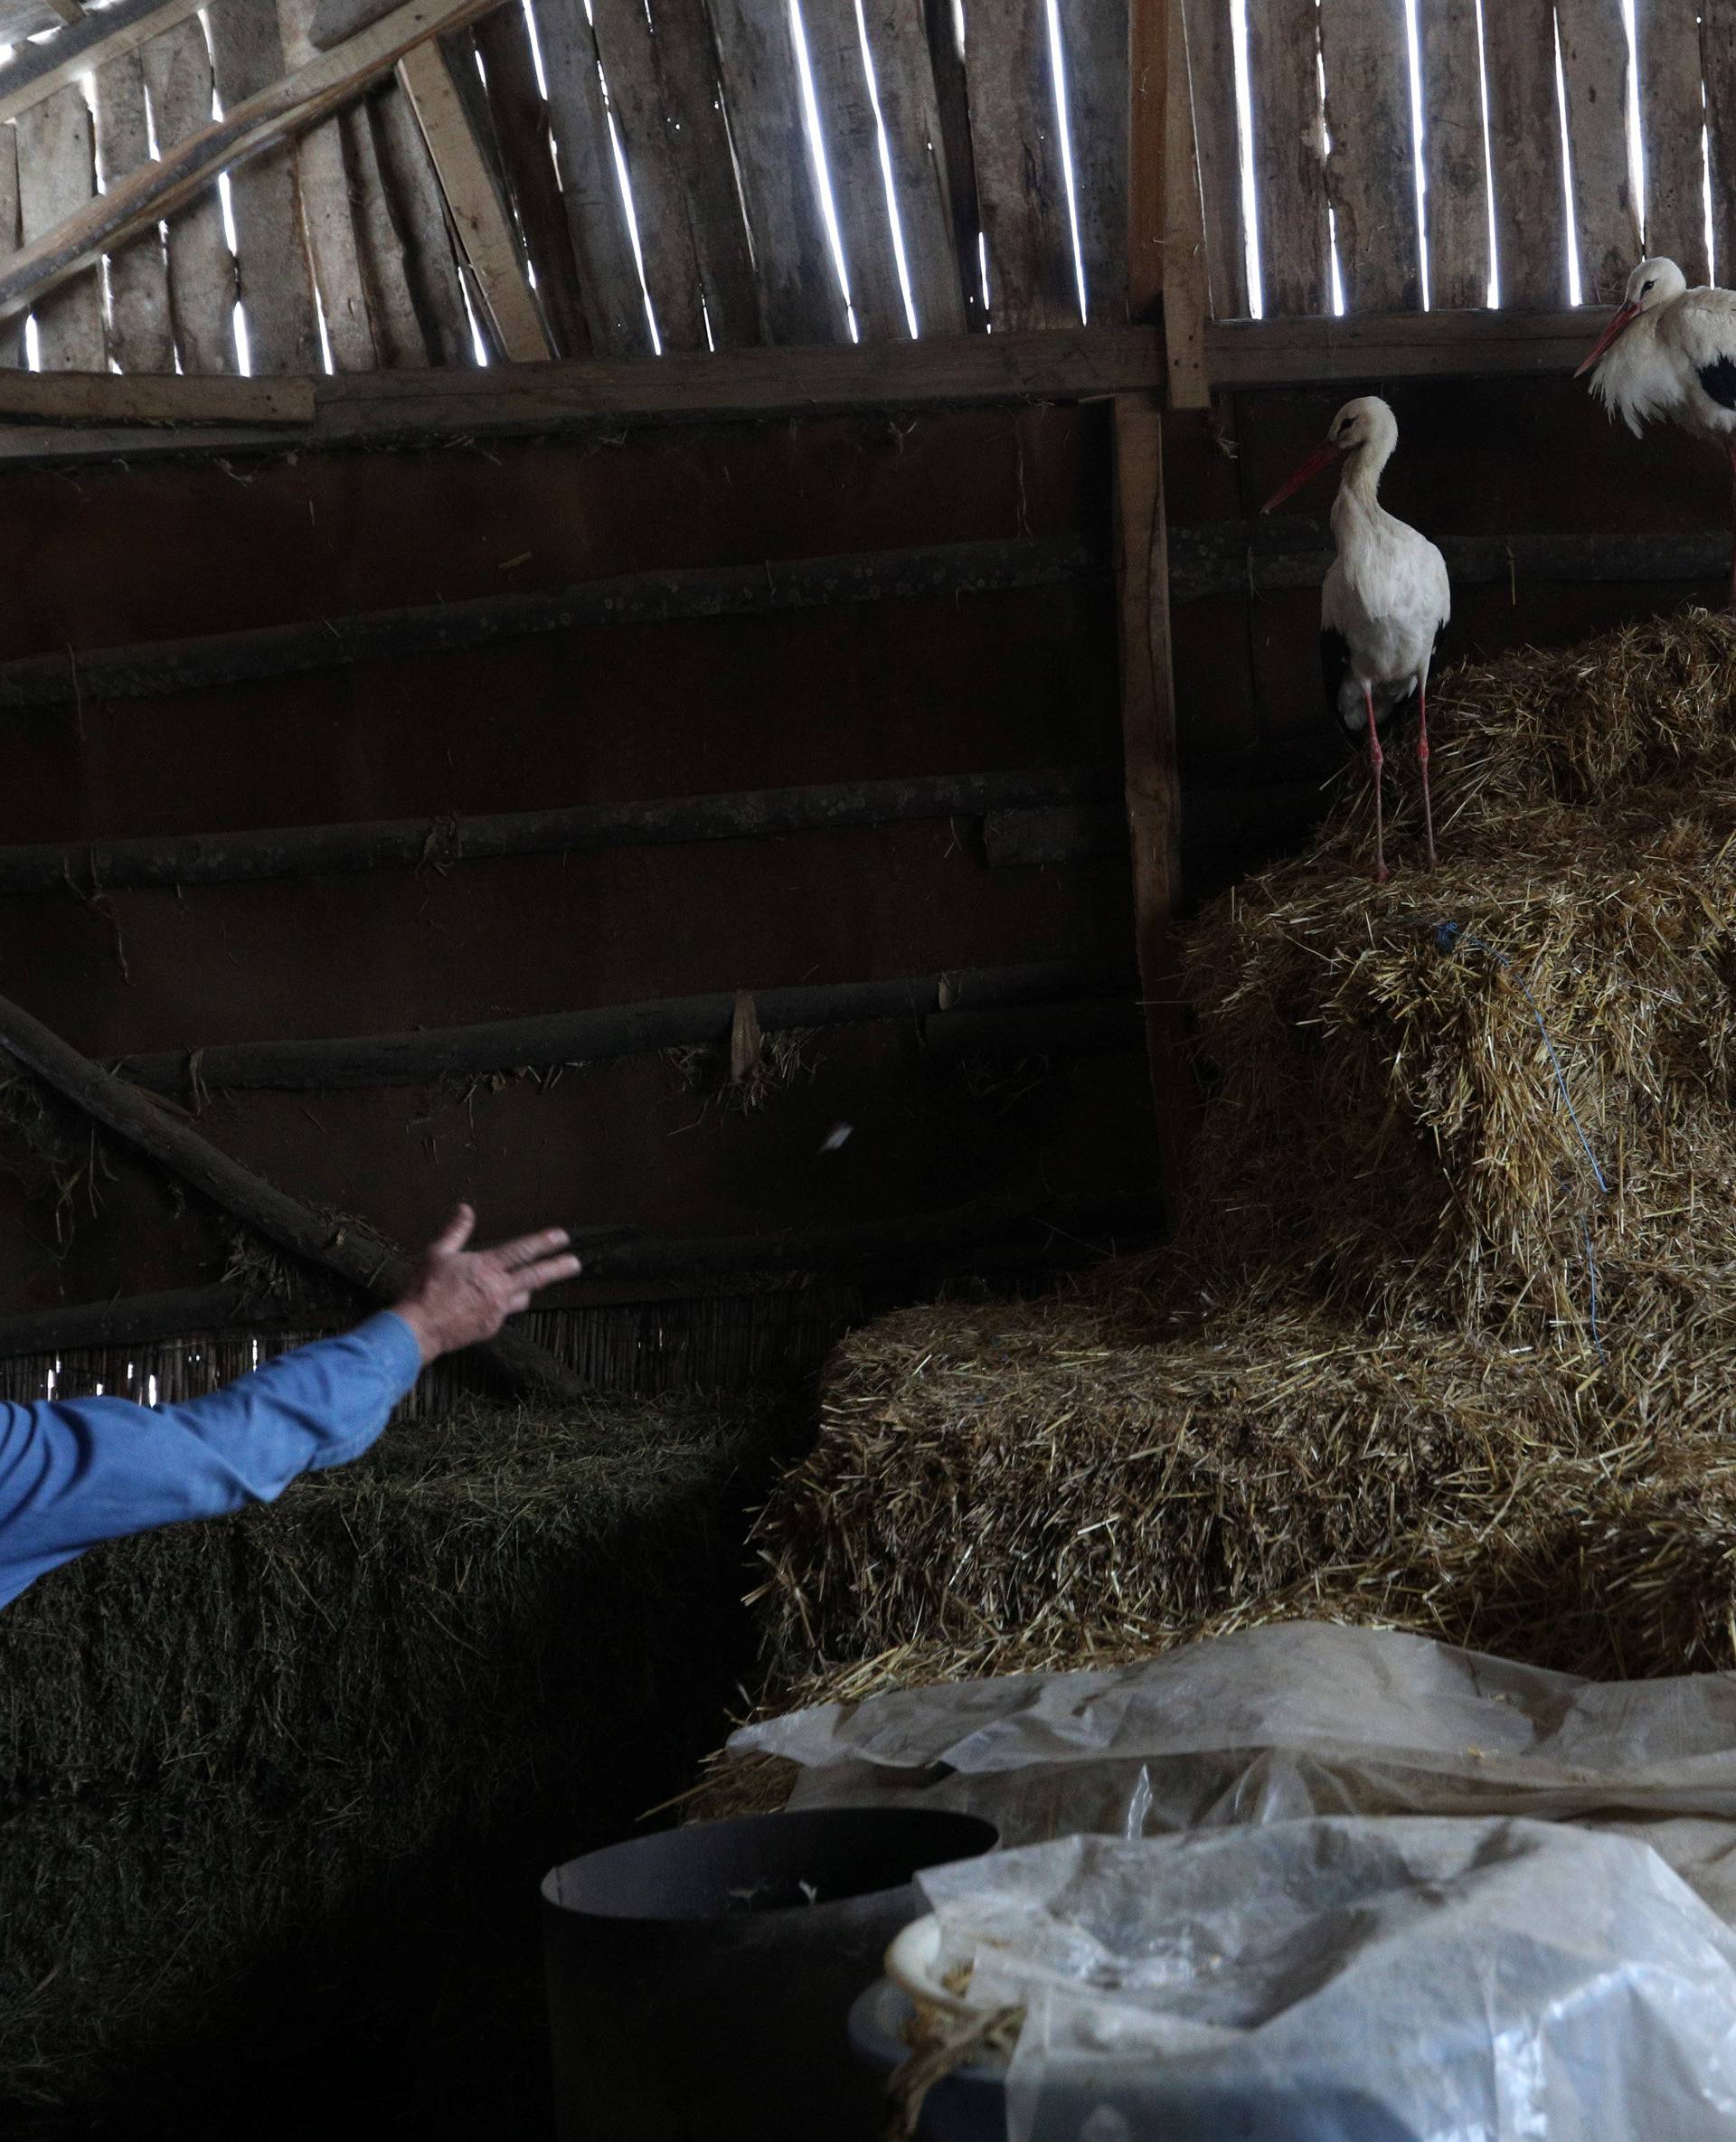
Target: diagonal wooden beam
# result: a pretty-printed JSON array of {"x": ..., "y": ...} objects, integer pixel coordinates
[
  {"x": 37, "y": 71},
  {"x": 377, "y": 1270},
  {"x": 473, "y": 201},
  {"x": 157, "y": 190}
]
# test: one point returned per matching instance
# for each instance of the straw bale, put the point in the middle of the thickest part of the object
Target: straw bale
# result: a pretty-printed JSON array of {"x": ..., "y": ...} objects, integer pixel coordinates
[
  {"x": 1387, "y": 1126},
  {"x": 305, "y": 1724}
]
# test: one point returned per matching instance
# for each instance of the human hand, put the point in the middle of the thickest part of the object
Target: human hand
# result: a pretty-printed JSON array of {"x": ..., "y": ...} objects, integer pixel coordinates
[{"x": 458, "y": 1296}]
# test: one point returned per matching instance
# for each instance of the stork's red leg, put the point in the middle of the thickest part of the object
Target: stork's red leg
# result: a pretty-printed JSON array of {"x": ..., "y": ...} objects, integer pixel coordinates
[
  {"x": 1376, "y": 760},
  {"x": 1423, "y": 761}
]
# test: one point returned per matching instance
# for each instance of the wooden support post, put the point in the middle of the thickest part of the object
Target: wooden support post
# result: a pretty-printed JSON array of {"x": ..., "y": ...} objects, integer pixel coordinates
[
  {"x": 364, "y": 1262},
  {"x": 1148, "y": 740}
]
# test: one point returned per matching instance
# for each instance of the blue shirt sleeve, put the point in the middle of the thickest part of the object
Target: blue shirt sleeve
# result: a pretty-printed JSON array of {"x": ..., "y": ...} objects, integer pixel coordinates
[{"x": 76, "y": 1471}]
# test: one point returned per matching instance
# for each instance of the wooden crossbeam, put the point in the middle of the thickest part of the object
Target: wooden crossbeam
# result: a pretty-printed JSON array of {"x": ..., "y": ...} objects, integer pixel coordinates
[
  {"x": 323, "y": 851},
  {"x": 643, "y": 598},
  {"x": 590, "y": 1036},
  {"x": 157, "y": 190}
]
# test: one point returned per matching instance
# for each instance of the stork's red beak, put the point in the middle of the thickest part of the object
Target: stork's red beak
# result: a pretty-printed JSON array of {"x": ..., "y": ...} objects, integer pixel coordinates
[
  {"x": 1623, "y": 320},
  {"x": 1323, "y": 455}
]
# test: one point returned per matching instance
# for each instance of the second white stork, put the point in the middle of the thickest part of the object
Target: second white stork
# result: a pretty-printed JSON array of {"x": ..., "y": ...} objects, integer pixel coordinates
[
  {"x": 1671, "y": 351},
  {"x": 1384, "y": 602}
]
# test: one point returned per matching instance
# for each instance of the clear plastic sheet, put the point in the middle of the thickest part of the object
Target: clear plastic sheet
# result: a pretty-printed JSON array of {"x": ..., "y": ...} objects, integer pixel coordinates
[
  {"x": 1295, "y": 1720},
  {"x": 1408, "y": 1979}
]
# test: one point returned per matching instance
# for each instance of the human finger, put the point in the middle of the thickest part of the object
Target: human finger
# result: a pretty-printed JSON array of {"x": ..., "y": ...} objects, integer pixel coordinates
[
  {"x": 520, "y": 1300},
  {"x": 456, "y": 1233},
  {"x": 527, "y": 1248},
  {"x": 547, "y": 1273}
]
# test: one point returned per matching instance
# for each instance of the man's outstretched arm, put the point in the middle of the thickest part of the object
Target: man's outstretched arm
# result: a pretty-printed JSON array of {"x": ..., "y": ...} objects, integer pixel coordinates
[{"x": 76, "y": 1471}]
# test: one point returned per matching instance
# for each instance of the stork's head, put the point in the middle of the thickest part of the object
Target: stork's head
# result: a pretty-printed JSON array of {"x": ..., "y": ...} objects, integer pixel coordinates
[
  {"x": 1363, "y": 426},
  {"x": 1653, "y": 283}
]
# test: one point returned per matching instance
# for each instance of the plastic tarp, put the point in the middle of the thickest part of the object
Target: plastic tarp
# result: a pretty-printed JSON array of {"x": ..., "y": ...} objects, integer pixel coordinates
[
  {"x": 1295, "y": 1720},
  {"x": 1326, "y": 1883},
  {"x": 1416, "y": 1979}
]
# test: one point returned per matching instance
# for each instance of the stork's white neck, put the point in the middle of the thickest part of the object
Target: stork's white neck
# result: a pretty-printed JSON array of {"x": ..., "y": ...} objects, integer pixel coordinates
[{"x": 1358, "y": 501}]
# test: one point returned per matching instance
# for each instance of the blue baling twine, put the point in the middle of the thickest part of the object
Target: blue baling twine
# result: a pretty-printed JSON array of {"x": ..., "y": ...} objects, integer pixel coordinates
[{"x": 1447, "y": 937}]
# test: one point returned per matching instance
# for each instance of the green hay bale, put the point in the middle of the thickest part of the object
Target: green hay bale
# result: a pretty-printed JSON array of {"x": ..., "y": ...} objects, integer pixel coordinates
[{"x": 219, "y": 1740}]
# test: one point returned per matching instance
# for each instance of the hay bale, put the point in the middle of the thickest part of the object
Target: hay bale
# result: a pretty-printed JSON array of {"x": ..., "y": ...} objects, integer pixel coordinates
[
  {"x": 1388, "y": 1124},
  {"x": 218, "y": 1741},
  {"x": 1049, "y": 1475}
]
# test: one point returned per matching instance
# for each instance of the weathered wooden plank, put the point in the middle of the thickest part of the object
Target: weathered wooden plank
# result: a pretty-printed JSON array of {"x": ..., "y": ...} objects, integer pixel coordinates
[
  {"x": 12, "y": 332},
  {"x": 761, "y": 94},
  {"x": 1718, "y": 58},
  {"x": 1525, "y": 153},
  {"x": 629, "y": 50},
  {"x": 57, "y": 176},
  {"x": 141, "y": 332},
  {"x": 1094, "y": 46},
  {"x": 957, "y": 151},
  {"x": 1672, "y": 115},
  {"x": 847, "y": 126},
  {"x": 327, "y": 217},
  {"x": 1456, "y": 195},
  {"x": 251, "y": 128},
  {"x": 478, "y": 209},
  {"x": 601, "y": 243},
  {"x": 399, "y": 339},
  {"x": 277, "y": 285},
  {"x": 1157, "y": 51},
  {"x": 1399, "y": 345},
  {"x": 1289, "y": 156},
  {"x": 364, "y": 1260},
  {"x": 176, "y": 66},
  {"x": 1595, "y": 65},
  {"x": 910, "y": 111},
  {"x": 1187, "y": 298},
  {"x": 955, "y": 570},
  {"x": 297, "y": 852},
  {"x": 153, "y": 398},
  {"x": 35, "y": 70},
  {"x": 1369, "y": 172},
  {"x": 1021, "y": 189},
  {"x": 522, "y": 121},
  {"x": 1211, "y": 80},
  {"x": 418, "y": 210},
  {"x": 1148, "y": 742}
]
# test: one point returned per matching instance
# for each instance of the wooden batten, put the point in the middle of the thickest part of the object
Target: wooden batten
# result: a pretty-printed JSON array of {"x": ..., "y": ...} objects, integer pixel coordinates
[
  {"x": 1457, "y": 196},
  {"x": 1289, "y": 156},
  {"x": 1020, "y": 189},
  {"x": 176, "y": 68},
  {"x": 1369, "y": 178}
]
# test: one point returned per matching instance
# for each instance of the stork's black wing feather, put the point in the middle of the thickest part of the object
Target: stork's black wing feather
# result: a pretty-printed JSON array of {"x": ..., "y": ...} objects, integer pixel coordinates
[{"x": 1719, "y": 379}]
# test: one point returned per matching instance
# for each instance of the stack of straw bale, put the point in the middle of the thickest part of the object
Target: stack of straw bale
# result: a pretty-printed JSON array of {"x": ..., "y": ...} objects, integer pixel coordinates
[{"x": 1448, "y": 1339}]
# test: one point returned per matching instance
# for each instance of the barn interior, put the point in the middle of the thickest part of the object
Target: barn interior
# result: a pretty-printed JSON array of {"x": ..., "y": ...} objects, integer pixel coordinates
[{"x": 774, "y": 487}]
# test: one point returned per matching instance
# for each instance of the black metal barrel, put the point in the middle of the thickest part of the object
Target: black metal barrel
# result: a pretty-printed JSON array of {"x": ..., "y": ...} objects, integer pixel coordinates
[{"x": 699, "y": 1980}]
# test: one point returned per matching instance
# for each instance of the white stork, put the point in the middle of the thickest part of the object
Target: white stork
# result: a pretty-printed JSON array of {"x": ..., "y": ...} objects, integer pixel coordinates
[
  {"x": 1671, "y": 351},
  {"x": 1383, "y": 603}
]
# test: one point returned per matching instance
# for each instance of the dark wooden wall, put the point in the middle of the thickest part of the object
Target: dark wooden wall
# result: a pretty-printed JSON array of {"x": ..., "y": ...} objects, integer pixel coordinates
[{"x": 984, "y": 682}]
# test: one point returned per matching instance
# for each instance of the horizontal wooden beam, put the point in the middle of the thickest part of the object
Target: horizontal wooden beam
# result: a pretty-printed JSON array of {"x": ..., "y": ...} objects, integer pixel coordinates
[
  {"x": 1326, "y": 349},
  {"x": 160, "y": 666},
  {"x": 388, "y": 408},
  {"x": 110, "y": 398},
  {"x": 1068, "y": 1230},
  {"x": 1262, "y": 557},
  {"x": 326, "y": 851},
  {"x": 593, "y": 1036}
]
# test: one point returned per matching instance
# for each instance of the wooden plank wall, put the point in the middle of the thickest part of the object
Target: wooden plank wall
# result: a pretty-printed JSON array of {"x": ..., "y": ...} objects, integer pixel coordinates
[
  {"x": 1330, "y": 112},
  {"x": 647, "y": 167}
]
